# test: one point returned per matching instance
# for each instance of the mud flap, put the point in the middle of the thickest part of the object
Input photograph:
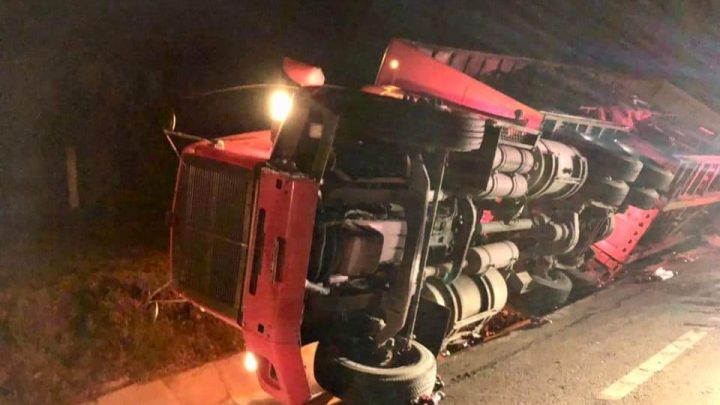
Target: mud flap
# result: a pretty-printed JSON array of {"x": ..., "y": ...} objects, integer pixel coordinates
[{"x": 432, "y": 323}]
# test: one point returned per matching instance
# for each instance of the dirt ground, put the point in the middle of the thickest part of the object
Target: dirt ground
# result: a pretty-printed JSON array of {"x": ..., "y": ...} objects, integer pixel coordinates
[{"x": 75, "y": 320}]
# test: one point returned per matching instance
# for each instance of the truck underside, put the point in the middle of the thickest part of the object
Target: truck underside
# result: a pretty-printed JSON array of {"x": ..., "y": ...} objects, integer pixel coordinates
[{"x": 393, "y": 223}]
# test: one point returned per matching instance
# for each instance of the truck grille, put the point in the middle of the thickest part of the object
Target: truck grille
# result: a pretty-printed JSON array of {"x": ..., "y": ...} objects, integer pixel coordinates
[{"x": 213, "y": 206}]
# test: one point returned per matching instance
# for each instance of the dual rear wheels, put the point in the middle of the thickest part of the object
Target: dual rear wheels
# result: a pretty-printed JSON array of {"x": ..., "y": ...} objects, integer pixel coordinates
[{"x": 618, "y": 178}]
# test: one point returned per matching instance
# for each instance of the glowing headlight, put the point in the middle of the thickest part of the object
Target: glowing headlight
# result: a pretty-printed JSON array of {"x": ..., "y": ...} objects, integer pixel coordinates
[
  {"x": 250, "y": 362},
  {"x": 280, "y": 105}
]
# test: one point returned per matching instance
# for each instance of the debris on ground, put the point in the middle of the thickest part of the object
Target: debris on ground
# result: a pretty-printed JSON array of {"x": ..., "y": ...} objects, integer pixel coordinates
[
  {"x": 659, "y": 274},
  {"x": 685, "y": 257},
  {"x": 712, "y": 240},
  {"x": 506, "y": 331}
]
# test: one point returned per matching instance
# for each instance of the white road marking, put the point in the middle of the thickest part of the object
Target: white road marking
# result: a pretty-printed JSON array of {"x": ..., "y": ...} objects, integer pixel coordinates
[{"x": 628, "y": 383}]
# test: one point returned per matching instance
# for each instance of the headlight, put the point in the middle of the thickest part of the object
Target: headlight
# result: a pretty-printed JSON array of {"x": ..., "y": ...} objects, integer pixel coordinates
[
  {"x": 250, "y": 362},
  {"x": 280, "y": 105}
]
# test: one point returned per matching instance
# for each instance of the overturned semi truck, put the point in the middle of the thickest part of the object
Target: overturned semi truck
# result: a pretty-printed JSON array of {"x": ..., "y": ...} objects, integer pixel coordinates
[{"x": 390, "y": 223}]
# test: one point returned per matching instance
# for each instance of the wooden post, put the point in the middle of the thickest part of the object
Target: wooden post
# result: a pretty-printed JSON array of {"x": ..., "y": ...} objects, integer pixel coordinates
[{"x": 72, "y": 177}]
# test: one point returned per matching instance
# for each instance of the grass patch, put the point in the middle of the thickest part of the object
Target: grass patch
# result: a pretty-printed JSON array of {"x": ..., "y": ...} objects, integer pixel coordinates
[{"x": 74, "y": 321}]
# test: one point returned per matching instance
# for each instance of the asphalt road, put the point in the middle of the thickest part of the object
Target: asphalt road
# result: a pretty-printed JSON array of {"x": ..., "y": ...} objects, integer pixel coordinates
[{"x": 632, "y": 343}]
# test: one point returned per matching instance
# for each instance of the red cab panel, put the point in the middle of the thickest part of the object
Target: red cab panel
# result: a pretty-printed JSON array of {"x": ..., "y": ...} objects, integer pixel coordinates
[{"x": 275, "y": 281}]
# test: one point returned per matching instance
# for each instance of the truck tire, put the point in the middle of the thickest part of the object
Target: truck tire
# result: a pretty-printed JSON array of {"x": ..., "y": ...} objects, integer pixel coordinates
[
  {"x": 612, "y": 163},
  {"x": 546, "y": 294},
  {"x": 606, "y": 191},
  {"x": 610, "y": 160},
  {"x": 413, "y": 124},
  {"x": 643, "y": 198},
  {"x": 356, "y": 383},
  {"x": 654, "y": 176}
]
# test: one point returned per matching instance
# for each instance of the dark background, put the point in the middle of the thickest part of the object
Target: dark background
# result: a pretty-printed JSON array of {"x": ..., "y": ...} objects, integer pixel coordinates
[{"x": 101, "y": 76}]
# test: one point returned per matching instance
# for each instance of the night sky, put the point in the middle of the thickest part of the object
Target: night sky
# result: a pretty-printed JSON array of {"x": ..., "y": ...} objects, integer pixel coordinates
[{"x": 100, "y": 76}]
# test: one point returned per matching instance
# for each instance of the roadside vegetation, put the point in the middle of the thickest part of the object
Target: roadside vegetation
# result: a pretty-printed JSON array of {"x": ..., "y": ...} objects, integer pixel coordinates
[{"x": 75, "y": 317}]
